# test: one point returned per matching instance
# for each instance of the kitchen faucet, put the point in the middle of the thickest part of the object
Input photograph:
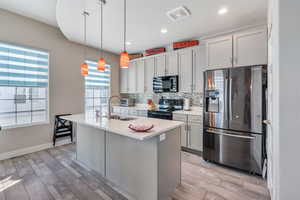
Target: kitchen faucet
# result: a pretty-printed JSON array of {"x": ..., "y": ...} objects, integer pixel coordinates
[{"x": 109, "y": 105}]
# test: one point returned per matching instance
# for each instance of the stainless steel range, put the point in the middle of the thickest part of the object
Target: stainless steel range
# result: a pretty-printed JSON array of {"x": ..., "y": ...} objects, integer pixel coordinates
[
  {"x": 234, "y": 110},
  {"x": 166, "y": 108}
]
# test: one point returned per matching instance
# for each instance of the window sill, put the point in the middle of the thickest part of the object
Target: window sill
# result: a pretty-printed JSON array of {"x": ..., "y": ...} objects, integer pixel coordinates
[{"x": 25, "y": 125}]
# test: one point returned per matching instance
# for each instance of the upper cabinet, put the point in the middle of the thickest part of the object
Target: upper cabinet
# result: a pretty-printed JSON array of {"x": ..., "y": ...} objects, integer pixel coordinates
[
  {"x": 250, "y": 48},
  {"x": 160, "y": 65},
  {"x": 185, "y": 58},
  {"x": 140, "y": 76},
  {"x": 219, "y": 52},
  {"x": 123, "y": 80},
  {"x": 172, "y": 64},
  {"x": 149, "y": 74},
  {"x": 241, "y": 49},
  {"x": 132, "y": 77},
  {"x": 199, "y": 66}
]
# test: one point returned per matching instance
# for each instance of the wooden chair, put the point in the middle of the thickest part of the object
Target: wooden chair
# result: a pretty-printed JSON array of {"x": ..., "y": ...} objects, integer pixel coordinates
[{"x": 62, "y": 128}]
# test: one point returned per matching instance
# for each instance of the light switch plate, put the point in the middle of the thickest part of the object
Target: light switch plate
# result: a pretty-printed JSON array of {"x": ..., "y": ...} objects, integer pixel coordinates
[{"x": 162, "y": 137}]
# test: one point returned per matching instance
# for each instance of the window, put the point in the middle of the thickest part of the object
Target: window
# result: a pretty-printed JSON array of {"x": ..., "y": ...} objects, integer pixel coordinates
[
  {"x": 23, "y": 85},
  {"x": 97, "y": 89}
]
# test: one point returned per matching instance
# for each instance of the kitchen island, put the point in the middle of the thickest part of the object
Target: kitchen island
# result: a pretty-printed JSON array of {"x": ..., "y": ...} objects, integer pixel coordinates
[{"x": 145, "y": 165}]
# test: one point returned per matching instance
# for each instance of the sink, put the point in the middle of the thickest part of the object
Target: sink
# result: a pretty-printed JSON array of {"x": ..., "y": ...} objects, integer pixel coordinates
[{"x": 122, "y": 118}]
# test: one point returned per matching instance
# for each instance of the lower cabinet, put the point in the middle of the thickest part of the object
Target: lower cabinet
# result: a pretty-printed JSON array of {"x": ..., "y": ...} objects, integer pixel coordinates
[
  {"x": 132, "y": 111},
  {"x": 196, "y": 136},
  {"x": 191, "y": 131}
]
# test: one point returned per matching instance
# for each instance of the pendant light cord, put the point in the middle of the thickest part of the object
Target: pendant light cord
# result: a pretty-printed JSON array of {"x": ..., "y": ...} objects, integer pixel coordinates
[
  {"x": 85, "y": 14},
  {"x": 101, "y": 31},
  {"x": 124, "y": 25}
]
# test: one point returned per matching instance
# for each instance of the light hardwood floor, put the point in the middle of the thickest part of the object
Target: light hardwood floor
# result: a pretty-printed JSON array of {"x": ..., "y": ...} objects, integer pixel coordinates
[{"x": 55, "y": 174}]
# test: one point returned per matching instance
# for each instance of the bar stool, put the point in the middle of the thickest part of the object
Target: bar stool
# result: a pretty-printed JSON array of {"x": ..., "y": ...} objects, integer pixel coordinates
[{"x": 62, "y": 128}]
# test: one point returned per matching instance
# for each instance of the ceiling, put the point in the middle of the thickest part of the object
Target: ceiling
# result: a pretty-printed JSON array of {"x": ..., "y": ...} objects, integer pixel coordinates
[
  {"x": 144, "y": 19},
  {"x": 41, "y": 10}
]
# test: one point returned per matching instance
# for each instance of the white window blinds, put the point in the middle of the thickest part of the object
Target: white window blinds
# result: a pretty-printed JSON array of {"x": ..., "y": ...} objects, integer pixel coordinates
[{"x": 21, "y": 66}]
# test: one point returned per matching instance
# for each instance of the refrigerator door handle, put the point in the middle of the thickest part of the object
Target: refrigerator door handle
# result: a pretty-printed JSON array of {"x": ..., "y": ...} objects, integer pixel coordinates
[
  {"x": 226, "y": 97},
  {"x": 230, "y": 98},
  {"x": 230, "y": 135}
]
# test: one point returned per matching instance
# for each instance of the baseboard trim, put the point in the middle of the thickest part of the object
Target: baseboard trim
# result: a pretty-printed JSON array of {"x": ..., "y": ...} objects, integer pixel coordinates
[{"x": 24, "y": 151}]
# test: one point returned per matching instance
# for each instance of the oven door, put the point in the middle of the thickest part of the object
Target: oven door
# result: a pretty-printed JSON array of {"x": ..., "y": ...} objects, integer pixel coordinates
[
  {"x": 234, "y": 149},
  {"x": 160, "y": 115}
]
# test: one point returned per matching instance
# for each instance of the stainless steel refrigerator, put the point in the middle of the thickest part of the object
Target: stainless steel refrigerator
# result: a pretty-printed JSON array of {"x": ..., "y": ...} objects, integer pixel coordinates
[{"x": 234, "y": 110}]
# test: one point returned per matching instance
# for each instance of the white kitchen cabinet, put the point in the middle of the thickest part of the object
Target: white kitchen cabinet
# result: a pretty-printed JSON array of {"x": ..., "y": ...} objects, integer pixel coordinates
[
  {"x": 140, "y": 76},
  {"x": 196, "y": 136},
  {"x": 160, "y": 65},
  {"x": 250, "y": 48},
  {"x": 132, "y": 77},
  {"x": 199, "y": 66},
  {"x": 219, "y": 52},
  {"x": 191, "y": 131},
  {"x": 123, "y": 80},
  {"x": 149, "y": 74},
  {"x": 185, "y": 58},
  {"x": 172, "y": 64},
  {"x": 183, "y": 130}
]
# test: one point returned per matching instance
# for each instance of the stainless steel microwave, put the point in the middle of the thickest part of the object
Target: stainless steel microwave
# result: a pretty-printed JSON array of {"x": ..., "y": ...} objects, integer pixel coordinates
[{"x": 165, "y": 84}]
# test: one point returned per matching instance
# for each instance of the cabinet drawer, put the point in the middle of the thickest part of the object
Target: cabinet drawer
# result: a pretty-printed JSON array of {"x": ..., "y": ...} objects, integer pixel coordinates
[
  {"x": 180, "y": 117},
  {"x": 195, "y": 119},
  {"x": 142, "y": 113},
  {"x": 132, "y": 112}
]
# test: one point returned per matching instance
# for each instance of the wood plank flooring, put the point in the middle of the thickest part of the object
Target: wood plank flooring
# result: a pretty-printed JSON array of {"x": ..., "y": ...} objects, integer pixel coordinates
[{"x": 54, "y": 174}]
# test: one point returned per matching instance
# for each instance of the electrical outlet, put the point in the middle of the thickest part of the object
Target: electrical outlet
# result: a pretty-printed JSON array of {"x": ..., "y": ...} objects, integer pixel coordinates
[{"x": 162, "y": 137}]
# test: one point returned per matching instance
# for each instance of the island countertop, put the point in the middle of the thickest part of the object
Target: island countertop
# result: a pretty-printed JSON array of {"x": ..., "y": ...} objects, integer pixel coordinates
[{"x": 121, "y": 127}]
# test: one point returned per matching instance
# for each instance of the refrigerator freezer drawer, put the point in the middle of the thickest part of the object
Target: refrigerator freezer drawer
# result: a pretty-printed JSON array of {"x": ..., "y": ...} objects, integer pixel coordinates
[{"x": 242, "y": 151}]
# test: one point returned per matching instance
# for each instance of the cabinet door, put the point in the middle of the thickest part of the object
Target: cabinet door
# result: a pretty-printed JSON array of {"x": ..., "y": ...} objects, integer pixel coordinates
[
  {"x": 123, "y": 80},
  {"x": 185, "y": 58},
  {"x": 172, "y": 64},
  {"x": 250, "y": 48},
  {"x": 140, "y": 76},
  {"x": 160, "y": 65},
  {"x": 196, "y": 136},
  {"x": 219, "y": 52},
  {"x": 184, "y": 135},
  {"x": 132, "y": 77},
  {"x": 149, "y": 74},
  {"x": 199, "y": 65}
]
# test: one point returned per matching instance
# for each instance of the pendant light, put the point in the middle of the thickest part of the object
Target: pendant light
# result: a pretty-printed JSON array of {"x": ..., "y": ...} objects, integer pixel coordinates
[
  {"x": 84, "y": 68},
  {"x": 101, "y": 61},
  {"x": 124, "y": 58}
]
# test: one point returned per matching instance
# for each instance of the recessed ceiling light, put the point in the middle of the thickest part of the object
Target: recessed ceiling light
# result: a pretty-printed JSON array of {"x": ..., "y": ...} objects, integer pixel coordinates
[
  {"x": 222, "y": 11},
  {"x": 164, "y": 30},
  {"x": 128, "y": 43}
]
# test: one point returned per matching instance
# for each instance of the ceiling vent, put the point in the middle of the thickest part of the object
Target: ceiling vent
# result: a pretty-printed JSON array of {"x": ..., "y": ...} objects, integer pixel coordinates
[{"x": 178, "y": 13}]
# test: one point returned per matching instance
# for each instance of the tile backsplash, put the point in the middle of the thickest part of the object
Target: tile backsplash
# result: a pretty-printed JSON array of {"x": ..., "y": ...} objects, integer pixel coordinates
[{"x": 196, "y": 98}]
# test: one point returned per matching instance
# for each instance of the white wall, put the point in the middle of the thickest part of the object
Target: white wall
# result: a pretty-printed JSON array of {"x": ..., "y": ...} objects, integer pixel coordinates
[
  {"x": 66, "y": 85},
  {"x": 285, "y": 51}
]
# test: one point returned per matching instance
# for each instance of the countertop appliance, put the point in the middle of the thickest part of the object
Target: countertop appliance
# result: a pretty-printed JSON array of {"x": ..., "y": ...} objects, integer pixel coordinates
[
  {"x": 166, "y": 108},
  {"x": 165, "y": 84},
  {"x": 127, "y": 102},
  {"x": 234, "y": 110},
  {"x": 186, "y": 104}
]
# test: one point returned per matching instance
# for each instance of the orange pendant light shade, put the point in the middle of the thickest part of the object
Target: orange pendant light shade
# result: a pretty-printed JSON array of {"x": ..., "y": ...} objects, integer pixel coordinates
[
  {"x": 101, "y": 64},
  {"x": 124, "y": 60},
  {"x": 84, "y": 69}
]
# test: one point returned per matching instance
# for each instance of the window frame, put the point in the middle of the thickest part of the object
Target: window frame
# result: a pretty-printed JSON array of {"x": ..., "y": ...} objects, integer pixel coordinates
[
  {"x": 85, "y": 88},
  {"x": 47, "y": 120}
]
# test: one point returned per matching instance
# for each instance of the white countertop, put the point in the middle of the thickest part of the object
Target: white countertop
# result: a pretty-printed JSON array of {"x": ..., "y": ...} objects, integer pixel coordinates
[
  {"x": 121, "y": 127},
  {"x": 193, "y": 111}
]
